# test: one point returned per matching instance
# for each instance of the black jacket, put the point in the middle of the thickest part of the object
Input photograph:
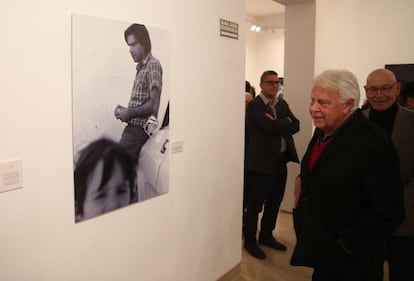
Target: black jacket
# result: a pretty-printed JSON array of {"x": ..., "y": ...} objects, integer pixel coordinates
[
  {"x": 351, "y": 200},
  {"x": 264, "y": 136}
]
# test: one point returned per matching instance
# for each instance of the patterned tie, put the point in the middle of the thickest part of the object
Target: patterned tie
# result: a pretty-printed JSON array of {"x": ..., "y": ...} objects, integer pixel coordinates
[{"x": 269, "y": 109}]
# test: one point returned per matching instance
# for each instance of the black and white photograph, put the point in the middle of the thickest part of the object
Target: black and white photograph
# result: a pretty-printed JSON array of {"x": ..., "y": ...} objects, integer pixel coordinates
[{"x": 120, "y": 108}]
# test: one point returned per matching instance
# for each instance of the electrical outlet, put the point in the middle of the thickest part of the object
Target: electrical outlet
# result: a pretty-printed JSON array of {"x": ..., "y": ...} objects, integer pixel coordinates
[{"x": 10, "y": 175}]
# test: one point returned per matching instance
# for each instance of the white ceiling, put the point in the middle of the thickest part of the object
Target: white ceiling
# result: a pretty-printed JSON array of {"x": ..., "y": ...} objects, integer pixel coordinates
[{"x": 260, "y": 8}]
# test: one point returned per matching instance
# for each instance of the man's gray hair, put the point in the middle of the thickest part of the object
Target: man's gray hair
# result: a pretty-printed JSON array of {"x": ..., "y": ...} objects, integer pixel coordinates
[{"x": 343, "y": 82}]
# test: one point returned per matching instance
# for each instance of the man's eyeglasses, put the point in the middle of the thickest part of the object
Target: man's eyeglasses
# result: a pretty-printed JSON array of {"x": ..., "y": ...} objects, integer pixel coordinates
[
  {"x": 386, "y": 89},
  {"x": 271, "y": 82}
]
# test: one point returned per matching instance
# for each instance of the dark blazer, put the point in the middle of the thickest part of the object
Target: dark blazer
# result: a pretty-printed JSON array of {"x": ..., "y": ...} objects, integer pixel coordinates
[
  {"x": 351, "y": 200},
  {"x": 403, "y": 139},
  {"x": 264, "y": 136}
]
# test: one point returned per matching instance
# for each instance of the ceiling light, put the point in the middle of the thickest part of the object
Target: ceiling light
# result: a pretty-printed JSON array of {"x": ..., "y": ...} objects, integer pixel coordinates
[{"x": 256, "y": 28}]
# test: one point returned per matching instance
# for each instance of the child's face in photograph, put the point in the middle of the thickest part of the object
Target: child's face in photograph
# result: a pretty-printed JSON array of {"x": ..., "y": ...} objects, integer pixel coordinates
[{"x": 115, "y": 194}]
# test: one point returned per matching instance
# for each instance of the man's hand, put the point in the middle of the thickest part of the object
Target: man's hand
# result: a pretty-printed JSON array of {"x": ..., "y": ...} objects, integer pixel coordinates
[
  {"x": 270, "y": 116},
  {"x": 151, "y": 125},
  {"x": 122, "y": 113}
]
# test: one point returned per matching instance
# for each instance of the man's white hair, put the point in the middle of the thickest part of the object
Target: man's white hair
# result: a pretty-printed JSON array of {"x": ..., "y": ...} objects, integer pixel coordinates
[{"x": 343, "y": 82}]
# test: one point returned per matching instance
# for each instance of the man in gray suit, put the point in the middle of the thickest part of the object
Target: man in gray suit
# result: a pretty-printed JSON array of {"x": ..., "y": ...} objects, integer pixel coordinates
[{"x": 382, "y": 90}]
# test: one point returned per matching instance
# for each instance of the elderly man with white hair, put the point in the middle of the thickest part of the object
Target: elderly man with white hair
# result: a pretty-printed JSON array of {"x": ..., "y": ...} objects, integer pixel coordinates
[{"x": 348, "y": 197}]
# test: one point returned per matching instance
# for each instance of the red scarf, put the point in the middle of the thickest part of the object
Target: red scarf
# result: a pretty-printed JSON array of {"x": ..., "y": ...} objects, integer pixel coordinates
[{"x": 317, "y": 149}]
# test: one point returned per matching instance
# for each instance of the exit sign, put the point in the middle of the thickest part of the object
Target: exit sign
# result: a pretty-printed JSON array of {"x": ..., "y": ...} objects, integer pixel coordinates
[{"x": 229, "y": 29}]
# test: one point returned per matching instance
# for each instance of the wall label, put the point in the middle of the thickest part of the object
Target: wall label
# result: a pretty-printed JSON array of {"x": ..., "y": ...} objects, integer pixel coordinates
[{"x": 10, "y": 175}]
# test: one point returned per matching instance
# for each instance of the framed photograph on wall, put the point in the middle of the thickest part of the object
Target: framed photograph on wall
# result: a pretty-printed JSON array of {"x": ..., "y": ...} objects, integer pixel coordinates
[
  {"x": 405, "y": 75},
  {"x": 120, "y": 104}
]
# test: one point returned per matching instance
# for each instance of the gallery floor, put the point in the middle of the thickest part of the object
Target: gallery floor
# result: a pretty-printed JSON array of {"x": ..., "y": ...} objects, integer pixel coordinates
[{"x": 276, "y": 266}]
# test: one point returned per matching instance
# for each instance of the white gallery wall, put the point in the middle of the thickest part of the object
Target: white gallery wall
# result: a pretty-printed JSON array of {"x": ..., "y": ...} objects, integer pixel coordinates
[
  {"x": 191, "y": 233},
  {"x": 363, "y": 35},
  {"x": 299, "y": 72},
  {"x": 265, "y": 49}
]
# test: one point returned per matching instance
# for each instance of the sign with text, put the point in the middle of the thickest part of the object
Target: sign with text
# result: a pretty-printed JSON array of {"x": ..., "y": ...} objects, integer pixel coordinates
[{"x": 229, "y": 29}]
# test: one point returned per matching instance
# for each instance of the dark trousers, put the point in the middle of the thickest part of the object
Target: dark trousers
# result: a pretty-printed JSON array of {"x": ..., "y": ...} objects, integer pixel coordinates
[
  {"x": 267, "y": 190},
  {"x": 246, "y": 189},
  {"x": 132, "y": 140},
  {"x": 246, "y": 194},
  {"x": 401, "y": 258}
]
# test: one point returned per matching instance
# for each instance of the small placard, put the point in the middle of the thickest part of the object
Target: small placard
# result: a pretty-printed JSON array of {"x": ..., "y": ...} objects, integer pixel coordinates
[
  {"x": 229, "y": 29},
  {"x": 10, "y": 175}
]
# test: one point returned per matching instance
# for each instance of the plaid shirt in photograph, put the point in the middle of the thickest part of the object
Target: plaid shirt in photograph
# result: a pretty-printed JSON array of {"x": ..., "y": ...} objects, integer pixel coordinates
[{"x": 149, "y": 75}]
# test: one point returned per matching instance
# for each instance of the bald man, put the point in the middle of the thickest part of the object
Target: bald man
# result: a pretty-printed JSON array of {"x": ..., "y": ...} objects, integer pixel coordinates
[{"x": 382, "y": 90}]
